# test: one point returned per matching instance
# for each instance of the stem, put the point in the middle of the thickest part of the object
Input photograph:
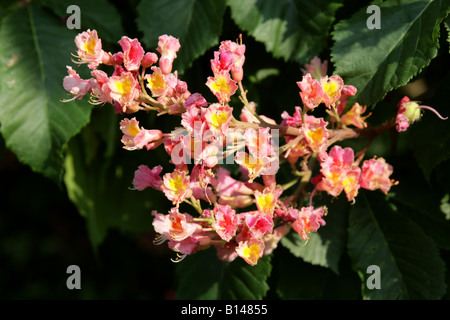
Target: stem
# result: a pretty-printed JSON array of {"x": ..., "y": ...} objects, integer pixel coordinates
[
  {"x": 289, "y": 184},
  {"x": 244, "y": 100},
  {"x": 147, "y": 99}
]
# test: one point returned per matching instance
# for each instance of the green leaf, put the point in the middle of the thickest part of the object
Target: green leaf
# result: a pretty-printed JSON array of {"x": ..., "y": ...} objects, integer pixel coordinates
[
  {"x": 409, "y": 261},
  {"x": 100, "y": 15},
  {"x": 447, "y": 26},
  {"x": 298, "y": 280},
  {"x": 293, "y": 30},
  {"x": 423, "y": 205},
  {"x": 430, "y": 137},
  {"x": 197, "y": 24},
  {"x": 34, "y": 52},
  {"x": 202, "y": 276},
  {"x": 98, "y": 175},
  {"x": 377, "y": 61},
  {"x": 325, "y": 247}
]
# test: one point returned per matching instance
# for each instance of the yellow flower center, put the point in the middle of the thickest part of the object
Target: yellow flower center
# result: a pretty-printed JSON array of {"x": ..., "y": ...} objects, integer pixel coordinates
[
  {"x": 176, "y": 183},
  {"x": 251, "y": 251},
  {"x": 220, "y": 85},
  {"x": 156, "y": 82},
  {"x": 123, "y": 86},
  {"x": 133, "y": 129},
  {"x": 412, "y": 112},
  {"x": 315, "y": 136},
  {"x": 89, "y": 46},
  {"x": 218, "y": 119},
  {"x": 265, "y": 201},
  {"x": 330, "y": 89}
]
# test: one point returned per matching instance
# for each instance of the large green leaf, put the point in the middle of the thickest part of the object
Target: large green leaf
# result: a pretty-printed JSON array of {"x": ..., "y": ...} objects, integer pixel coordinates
[
  {"x": 298, "y": 280},
  {"x": 430, "y": 137},
  {"x": 34, "y": 52},
  {"x": 294, "y": 30},
  {"x": 325, "y": 247},
  {"x": 197, "y": 24},
  {"x": 203, "y": 276},
  {"x": 377, "y": 61},
  {"x": 100, "y": 15},
  {"x": 414, "y": 196},
  {"x": 447, "y": 26},
  {"x": 409, "y": 262}
]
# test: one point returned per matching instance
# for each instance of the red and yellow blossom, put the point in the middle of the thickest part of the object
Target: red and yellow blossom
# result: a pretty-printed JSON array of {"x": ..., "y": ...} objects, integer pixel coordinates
[
  {"x": 222, "y": 86},
  {"x": 176, "y": 186},
  {"x": 251, "y": 250}
]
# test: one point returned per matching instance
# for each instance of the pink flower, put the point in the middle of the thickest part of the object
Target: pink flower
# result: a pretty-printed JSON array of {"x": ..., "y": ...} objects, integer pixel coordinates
[
  {"x": 254, "y": 166},
  {"x": 346, "y": 92},
  {"x": 311, "y": 91},
  {"x": 308, "y": 220},
  {"x": 251, "y": 250},
  {"x": 176, "y": 186},
  {"x": 181, "y": 225},
  {"x": 354, "y": 116},
  {"x": 202, "y": 192},
  {"x": 292, "y": 121},
  {"x": 339, "y": 173},
  {"x": 195, "y": 100},
  {"x": 238, "y": 50},
  {"x": 145, "y": 177},
  {"x": 316, "y": 133},
  {"x": 175, "y": 226},
  {"x": 259, "y": 143},
  {"x": 132, "y": 53},
  {"x": 218, "y": 117},
  {"x": 90, "y": 49},
  {"x": 149, "y": 59},
  {"x": 266, "y": 200},
  {"x": 332, "y": 86},
  {"x": 258, "y": 224},
  {"x": 316, "y": 68},
  {"x": 168, "y": 47},
  {"x": 222, "y": 61},
  {"x": 189, "y": 245},
  {"x": 124, "y": 89},
  {"x": 410, "y": 112},
  {"x": 225, "y": 223},
  {"x": 100, "y": 88},
  {"x": 287, "y": 214},
  {"x": 135, "y": 138},
  {"x": 228, "y": 186},
  {"x": 222, "y": 86},
  {"x": 156, "y": 82},
  {"x": 76, "y": 86},
  {"x": 375, "y": 175}
]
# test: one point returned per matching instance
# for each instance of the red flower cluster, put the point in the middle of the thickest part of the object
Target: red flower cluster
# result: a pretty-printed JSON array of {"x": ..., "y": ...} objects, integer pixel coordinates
[{"x": 247, "y": 215}]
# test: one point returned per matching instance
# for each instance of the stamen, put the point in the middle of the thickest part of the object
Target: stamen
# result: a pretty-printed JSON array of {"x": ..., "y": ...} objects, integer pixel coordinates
[
  {"x": 160, "y": 239},
  {"x": 179, "y": 258},
  {"x": 435, "y": 112}
]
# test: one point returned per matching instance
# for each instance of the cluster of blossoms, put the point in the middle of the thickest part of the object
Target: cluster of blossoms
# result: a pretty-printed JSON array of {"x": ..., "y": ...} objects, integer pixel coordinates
[{"x": 246, "y": 215}]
